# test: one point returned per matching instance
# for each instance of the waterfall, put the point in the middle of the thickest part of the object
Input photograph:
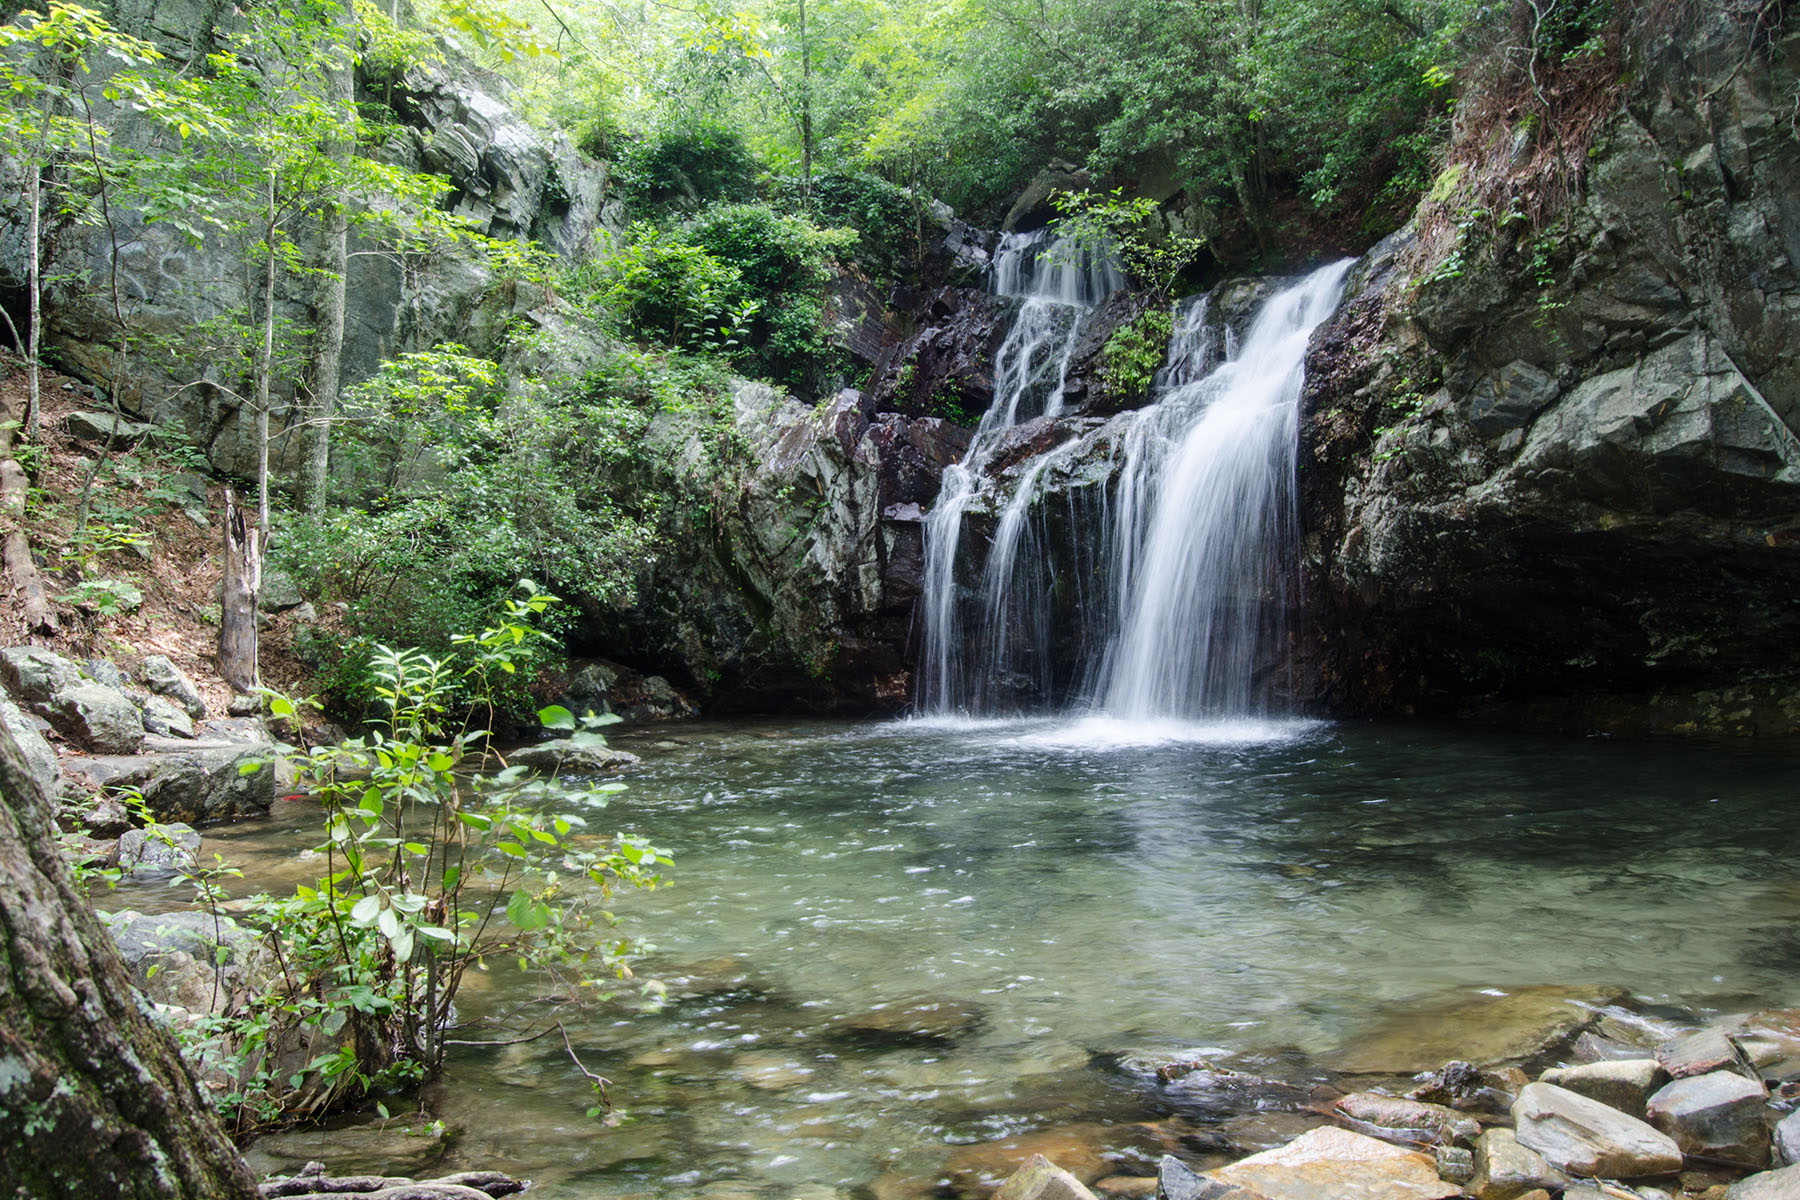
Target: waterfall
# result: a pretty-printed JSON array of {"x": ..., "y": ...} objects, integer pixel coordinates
[
  {"x": 1204, "y": 525},
  {"x": 1057, "y": 283},
  {"x": 1182, "y": 607}
]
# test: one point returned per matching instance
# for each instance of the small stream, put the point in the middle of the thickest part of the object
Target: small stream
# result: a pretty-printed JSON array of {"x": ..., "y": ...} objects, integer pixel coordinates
[{"x": 1067, "y": 894}]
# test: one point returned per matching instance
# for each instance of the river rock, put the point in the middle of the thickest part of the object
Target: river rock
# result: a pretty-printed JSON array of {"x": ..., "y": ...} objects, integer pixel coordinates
[
  {"x": 159, "y": 850},
  {"x": 1718, "y": 1116},
  {"x": 1585, "y": 1137},
  {"x": 1505, "y": 1170},
  {"x": 568, "y": 758},
  {"x": 166, "y": 679},
  {"x": 1041, "y": 1179},
  {"x": 1767, "y": 1185},
  {"x": 1394, "y": 1119},
  {"x": 1624, "y": 1084},
  {"x": 1204, "y": 1090},
  {"x": 1176, "y": 1181},
  {"x": 1467, "y": 1088},
  {"x": 1331, "y": 1162},
  {"x": 1702, "y": 1053},
  {"x": 97, "y": 717},
  {"x": 1455, "y": 1163},
  {"x": 1481, "y": 1027},
  {"x": 1787, "y": 1139}
]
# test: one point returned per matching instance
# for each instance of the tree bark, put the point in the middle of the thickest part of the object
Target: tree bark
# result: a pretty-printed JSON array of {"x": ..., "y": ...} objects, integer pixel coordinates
[
  {"x": 15, "y": 547},
  {"x": 94, "y": 1098},
  {"x": 237, "y": 600}
]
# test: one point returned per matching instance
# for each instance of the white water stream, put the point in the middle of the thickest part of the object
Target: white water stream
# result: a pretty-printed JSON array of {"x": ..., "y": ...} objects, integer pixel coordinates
[{"x": 1197, "y": 533}]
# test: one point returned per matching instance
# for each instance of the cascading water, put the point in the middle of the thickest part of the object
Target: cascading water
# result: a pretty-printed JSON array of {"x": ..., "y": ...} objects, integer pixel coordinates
[
  {"x": 1205, "y": 519},
  {"x": 1189, "y": 591},
  {"x": 1058, "y": 283}
]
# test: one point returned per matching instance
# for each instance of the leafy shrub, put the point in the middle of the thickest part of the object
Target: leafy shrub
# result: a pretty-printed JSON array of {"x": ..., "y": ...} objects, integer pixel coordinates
[
  {"x": 690, "y": 158},
  {"x": 1133, "y": 354},
  {"x": 784, "y": 263},
  {"x": 665, "y": 287}
]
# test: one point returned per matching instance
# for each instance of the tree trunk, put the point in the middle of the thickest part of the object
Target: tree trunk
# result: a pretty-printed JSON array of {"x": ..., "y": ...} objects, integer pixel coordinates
[
  {"x": 94, "y": 1098},
  {"x": 15, "y": 547},
  {"x": 328, "y": 349},
  {"x": 265, "y": 367},
  {"x": 806, "y": 113},
  {"x": 237, "y": 600},
  {"x": 34, "y": 201}
]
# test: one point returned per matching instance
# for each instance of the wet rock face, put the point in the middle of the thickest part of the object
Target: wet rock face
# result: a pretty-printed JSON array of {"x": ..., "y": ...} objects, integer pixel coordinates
[{"x": 1580, "y": 505}]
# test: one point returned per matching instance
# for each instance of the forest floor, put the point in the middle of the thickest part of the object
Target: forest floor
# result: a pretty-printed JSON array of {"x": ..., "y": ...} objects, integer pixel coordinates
[{"x": 155, "y": 522}]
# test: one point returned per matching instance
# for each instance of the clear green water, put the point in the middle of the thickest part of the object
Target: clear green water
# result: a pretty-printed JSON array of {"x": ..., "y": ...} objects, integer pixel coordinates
[{"x": 1259, "y": 889}]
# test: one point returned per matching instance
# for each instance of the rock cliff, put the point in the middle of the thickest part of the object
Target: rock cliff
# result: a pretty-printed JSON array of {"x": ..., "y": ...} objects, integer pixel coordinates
[{"x": 1554, "y": 475}]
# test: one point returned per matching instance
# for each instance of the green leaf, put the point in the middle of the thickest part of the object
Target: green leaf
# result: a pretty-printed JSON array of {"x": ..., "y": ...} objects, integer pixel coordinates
[
  {"x": 524, "y": 912},
  {"x": 364, "y": 910},
  {"x": 249, "y": 768},
  {"x": 556, "y": 717}
]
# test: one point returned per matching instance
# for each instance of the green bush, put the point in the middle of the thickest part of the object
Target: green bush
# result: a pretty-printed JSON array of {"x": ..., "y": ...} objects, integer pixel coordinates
[
  {"x": 784, "y": 265},
  {"x": 1132, "y": 356},
  {"x": 664, "y": 287},
  {"x": 688, "y": 160}
]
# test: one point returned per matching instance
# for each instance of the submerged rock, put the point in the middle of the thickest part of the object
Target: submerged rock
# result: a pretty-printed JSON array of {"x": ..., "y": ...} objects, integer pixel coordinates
[
  {"x": 1489, "y": 1027},
  {"x": 929, "y": 1021},
  {"x": 1041, "y": 1179},
  {"x": 568, "y": 758}
]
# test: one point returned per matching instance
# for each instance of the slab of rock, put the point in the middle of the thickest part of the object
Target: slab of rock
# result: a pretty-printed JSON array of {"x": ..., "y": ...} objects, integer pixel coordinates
[
  {"x": 105, "y": 429},
  {"x": 1505, "y": 1170},
  {"x": 279, "y": 592},
  {"x": 1175, "y": 1181},
  {"x": 1768, "y": 1185},
  {"x": 166, "y": 679},
  {"x": 568, "y": 758},
  {"x": 1787, "y": 1139},
  {"x": 1206, "y": 1091},
  {"x": 1478, "y": 1026},
  {"x": 1337, "y": 1163},
  {"x": 164, "y": 718},
  {"x": 1624, "y": 1084},
  {"x": 1703, "y": 1053},
  {"x": 1585, "y": 1137},
  {"x": 1718, "y": 1116},
  {"x": 1041, "y": 1179},
  {"x": 162, "y": 850}
]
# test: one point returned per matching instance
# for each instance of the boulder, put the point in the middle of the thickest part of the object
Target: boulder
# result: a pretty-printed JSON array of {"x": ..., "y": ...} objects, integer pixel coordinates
[
  {"x": 1041, "y": 1179},
  {"x": 1702, "y": 1053},
  {"x": 1624, "y": 1084},
  {"x": 98, "y": 717},
  {"x": 1585, "y": 1137},
  {"x": 279, "y": 592},
  {"x": 1176, "y": 1181},
  {"x": 104, "y": 429},
  {"x": 1331, "y": 1162},
  {"x": 166, "y": 679},
  {"x": 38, "y": 754},
  {"x": 34, "y": 674},
  {"x": 164, "y": 718},
  {"x": 202, "y": 781},
  {"x": 1466, "y": 1088},
  {"x": 1718, "y": 1116},
  {"x": 158, "y": 850},
  {"x": 1505, "y": 1170},
  {"x": 187, "y": 959},
  {"x": 565, "y": 757},
  {"x": 1767, "y": 1185}
]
